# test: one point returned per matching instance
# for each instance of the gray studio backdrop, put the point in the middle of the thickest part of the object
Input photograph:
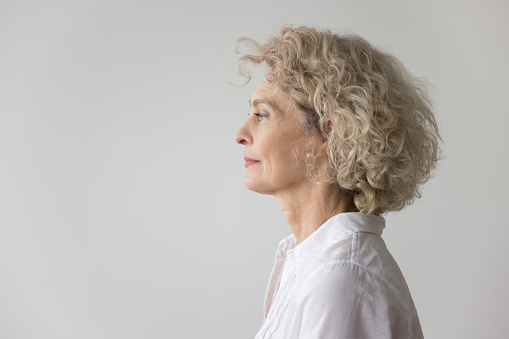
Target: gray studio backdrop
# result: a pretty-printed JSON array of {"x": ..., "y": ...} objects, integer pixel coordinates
[{"x": 122, "y": 207}]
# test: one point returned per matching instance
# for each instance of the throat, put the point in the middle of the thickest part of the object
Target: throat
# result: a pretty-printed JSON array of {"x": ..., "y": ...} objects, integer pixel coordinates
[{"x": 307, "y": 210}]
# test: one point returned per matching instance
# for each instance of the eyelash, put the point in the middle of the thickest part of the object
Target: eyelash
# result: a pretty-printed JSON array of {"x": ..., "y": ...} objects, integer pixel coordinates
[{"x": 261, "y": 115}]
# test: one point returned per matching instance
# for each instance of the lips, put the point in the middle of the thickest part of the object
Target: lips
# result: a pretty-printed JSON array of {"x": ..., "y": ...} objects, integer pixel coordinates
[{"x": 250, "y": 162}]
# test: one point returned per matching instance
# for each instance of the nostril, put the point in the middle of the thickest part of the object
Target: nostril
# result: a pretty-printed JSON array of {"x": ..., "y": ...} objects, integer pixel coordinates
[
  {"x": 239, "y": 139},
  {"x": 243, "y": 135}
]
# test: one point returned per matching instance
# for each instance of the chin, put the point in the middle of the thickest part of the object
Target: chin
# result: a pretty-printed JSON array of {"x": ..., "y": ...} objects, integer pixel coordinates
[{"x": 258, "y": 187}]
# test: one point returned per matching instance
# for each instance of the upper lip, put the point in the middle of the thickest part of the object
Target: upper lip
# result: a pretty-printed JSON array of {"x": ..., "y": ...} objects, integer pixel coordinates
[{"x": 246, "y": 159}]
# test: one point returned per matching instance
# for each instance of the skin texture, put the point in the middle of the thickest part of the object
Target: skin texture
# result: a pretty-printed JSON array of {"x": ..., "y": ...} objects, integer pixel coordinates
[{"x": 274, "y": 136}]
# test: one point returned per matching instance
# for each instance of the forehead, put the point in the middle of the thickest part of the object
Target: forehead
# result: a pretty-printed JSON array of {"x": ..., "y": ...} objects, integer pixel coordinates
[{"x": 269, "y": 94}]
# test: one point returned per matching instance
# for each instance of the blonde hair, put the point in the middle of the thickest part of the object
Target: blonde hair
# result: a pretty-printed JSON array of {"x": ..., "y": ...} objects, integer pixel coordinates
[{"x": 376, "y": 117}]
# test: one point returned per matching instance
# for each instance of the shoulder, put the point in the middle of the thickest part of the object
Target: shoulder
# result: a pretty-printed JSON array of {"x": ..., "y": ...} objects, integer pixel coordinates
[
  {"x": 335, "y": 281},
  {"x": 359, "y": 268},
  {"x": 346, "y": 298}
]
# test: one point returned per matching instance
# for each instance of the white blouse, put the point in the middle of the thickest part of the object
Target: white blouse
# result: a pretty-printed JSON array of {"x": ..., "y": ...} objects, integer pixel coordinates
[{"x": 340, "y": 282}]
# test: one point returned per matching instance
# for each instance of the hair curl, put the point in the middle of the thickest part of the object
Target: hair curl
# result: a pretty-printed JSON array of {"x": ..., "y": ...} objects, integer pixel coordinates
[{"x": 376, "y": 117}]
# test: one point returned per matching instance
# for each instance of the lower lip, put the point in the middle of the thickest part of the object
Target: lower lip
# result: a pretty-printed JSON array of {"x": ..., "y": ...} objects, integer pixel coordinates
[{"x": 249, "y": 163}]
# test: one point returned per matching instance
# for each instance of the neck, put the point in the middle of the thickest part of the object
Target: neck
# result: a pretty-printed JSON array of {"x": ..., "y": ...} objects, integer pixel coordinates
[{"x": 311, "y": 204}]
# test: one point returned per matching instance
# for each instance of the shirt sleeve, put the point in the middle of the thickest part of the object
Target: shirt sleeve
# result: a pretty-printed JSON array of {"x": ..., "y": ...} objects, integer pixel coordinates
[{"x": 344, "y": 300}]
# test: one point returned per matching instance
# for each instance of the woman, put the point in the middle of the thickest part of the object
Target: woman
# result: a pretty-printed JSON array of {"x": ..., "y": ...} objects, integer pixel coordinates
[{"x": 340, "y": 133}]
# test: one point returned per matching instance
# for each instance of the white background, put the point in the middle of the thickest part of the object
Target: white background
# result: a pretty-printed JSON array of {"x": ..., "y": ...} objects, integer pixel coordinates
[{"x": 122, "y": 207}]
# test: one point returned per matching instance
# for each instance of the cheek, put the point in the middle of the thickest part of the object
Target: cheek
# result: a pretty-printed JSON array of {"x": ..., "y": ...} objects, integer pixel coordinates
[
  {"x": 282, "y": 149},
  {"x": 275, "y": 148},
  {"x": 284, "y": 156}
]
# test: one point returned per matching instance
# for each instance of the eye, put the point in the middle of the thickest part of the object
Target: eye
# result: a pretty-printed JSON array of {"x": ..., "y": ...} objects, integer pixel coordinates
[{"x": 262, "y": 115}]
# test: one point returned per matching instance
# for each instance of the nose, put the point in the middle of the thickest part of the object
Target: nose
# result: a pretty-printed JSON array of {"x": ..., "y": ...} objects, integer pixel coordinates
[{"x": 243, "y": 137}]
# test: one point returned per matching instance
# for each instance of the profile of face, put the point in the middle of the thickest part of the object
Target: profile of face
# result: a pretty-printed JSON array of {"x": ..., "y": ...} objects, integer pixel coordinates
[{"x": 275, "y": 142}]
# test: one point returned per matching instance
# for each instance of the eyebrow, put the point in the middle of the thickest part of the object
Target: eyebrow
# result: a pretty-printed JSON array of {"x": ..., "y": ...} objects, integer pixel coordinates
[{"x": 257, "y": 102}]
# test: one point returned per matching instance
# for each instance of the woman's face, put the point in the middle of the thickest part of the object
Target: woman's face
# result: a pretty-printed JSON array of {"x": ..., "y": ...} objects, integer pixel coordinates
[{"x": 275, "y": 142}]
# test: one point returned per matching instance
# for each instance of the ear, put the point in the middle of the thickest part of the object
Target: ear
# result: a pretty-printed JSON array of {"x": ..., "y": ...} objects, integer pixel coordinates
[{"x": 324, "y": 147}]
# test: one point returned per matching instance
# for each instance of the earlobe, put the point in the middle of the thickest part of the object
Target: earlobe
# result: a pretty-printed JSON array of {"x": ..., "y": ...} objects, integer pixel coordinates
[{"x": 324, "y": 147}]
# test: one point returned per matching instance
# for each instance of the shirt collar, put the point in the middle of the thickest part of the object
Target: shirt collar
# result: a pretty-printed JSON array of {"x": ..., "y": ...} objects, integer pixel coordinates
[{"x": 333, "y": 230}]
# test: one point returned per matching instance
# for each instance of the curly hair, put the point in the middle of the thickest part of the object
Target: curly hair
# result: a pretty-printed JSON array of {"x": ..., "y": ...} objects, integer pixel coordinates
[{"x": 376, "y": 117}]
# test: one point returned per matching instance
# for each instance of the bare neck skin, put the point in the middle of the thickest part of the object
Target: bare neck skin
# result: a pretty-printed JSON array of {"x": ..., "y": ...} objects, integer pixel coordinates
[{"x": 309, "y": 205}]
